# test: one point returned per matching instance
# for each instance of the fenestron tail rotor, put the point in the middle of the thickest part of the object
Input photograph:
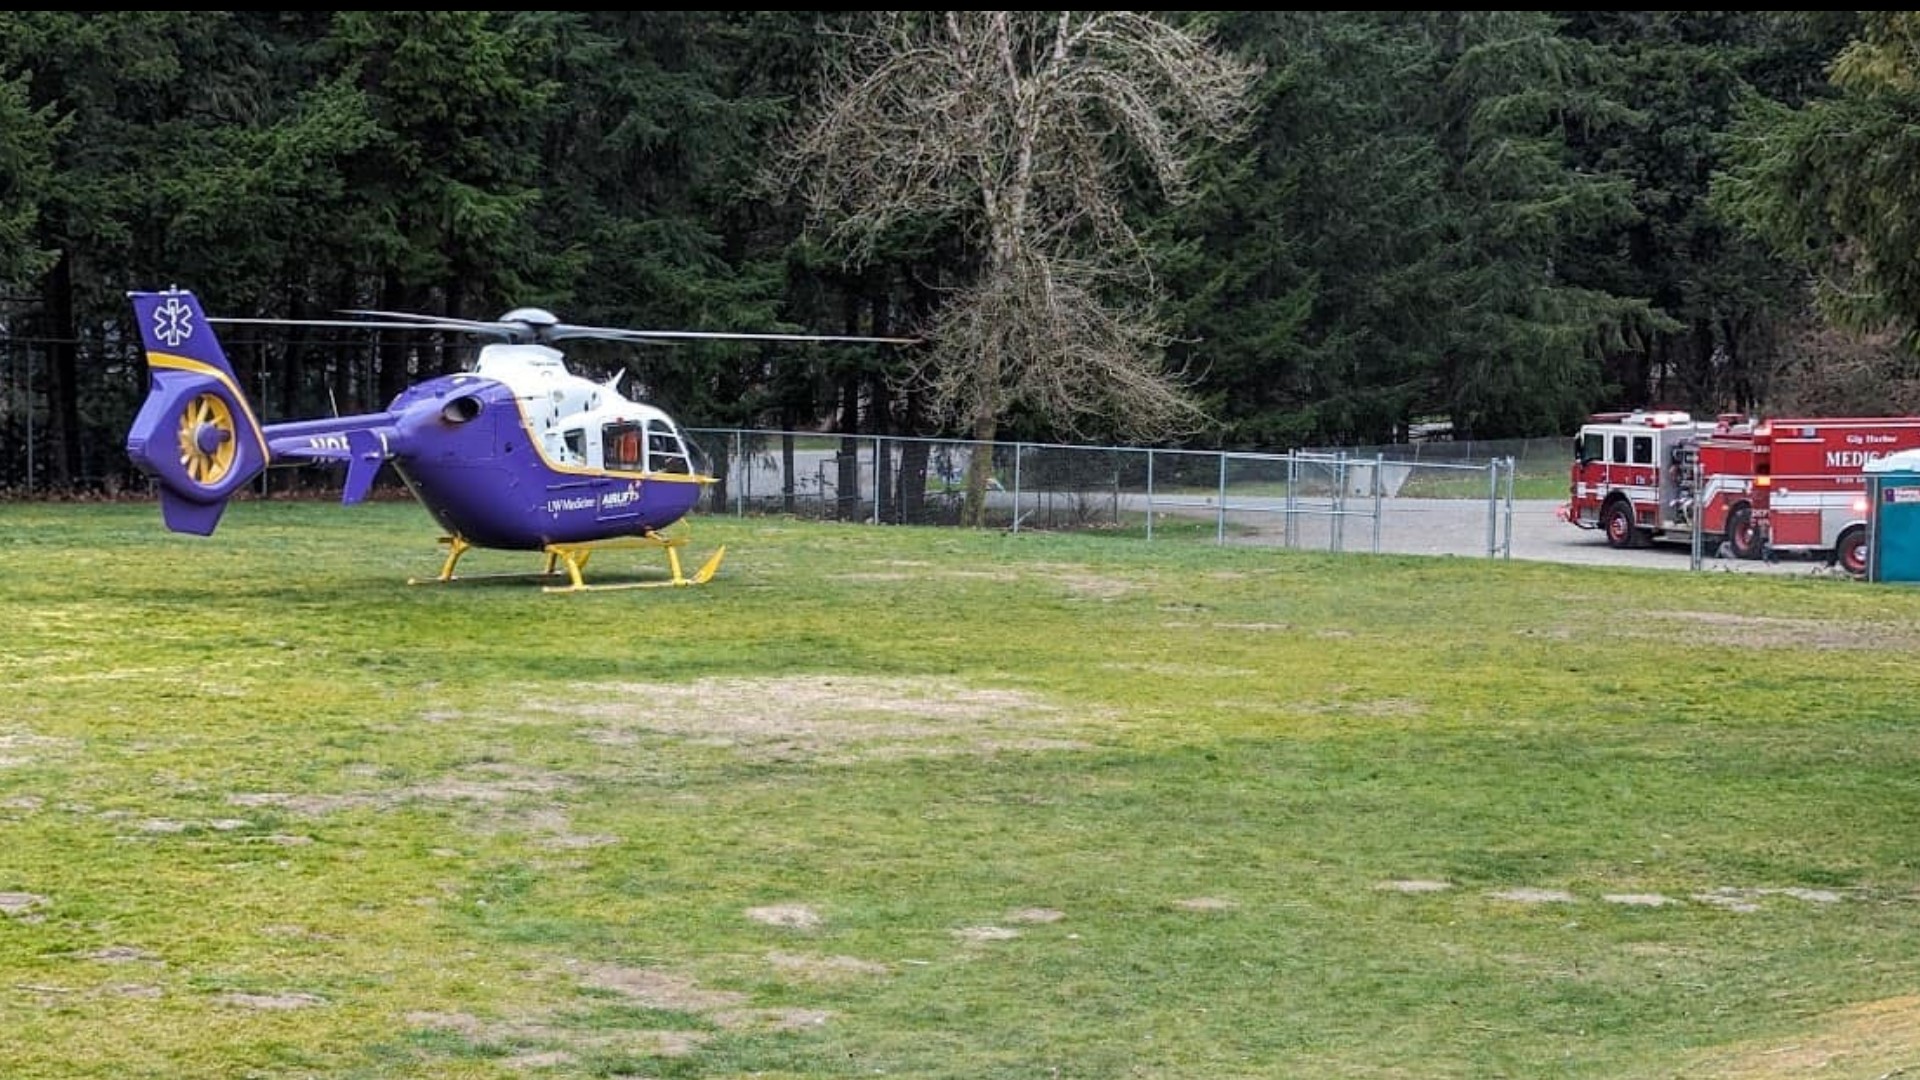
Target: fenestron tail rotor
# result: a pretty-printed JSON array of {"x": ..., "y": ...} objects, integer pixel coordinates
[{"x": 209, "y": 440}]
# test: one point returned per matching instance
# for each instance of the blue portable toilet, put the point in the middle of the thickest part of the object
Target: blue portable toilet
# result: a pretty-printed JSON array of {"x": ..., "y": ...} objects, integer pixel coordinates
[{"x": 1893, "y": 517}]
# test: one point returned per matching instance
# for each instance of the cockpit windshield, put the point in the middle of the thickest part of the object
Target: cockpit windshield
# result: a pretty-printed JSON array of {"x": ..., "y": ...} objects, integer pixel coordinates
[{"x": 665, "y": 452}]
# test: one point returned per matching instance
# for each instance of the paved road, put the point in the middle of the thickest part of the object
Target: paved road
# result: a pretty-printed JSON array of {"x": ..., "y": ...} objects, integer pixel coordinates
[
  {"x": 1538, "y": 533},
  {"x": 1461, "y": 527}
]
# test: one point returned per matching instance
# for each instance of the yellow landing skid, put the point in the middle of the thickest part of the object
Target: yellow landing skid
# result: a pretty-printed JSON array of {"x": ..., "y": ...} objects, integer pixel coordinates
[{"x": 574, "y": 558}]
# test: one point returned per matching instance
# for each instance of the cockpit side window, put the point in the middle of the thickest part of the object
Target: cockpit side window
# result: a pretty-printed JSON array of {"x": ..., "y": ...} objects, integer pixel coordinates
[{"x": 665, "y": 452}]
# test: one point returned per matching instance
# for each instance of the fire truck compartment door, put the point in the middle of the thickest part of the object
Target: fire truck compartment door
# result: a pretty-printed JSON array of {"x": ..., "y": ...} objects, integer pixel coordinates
[{"x": 1795, "y": 528}]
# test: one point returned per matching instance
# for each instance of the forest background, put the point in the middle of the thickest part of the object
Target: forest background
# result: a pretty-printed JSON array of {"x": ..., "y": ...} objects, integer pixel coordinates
[{"x": 1488, "y": 223}]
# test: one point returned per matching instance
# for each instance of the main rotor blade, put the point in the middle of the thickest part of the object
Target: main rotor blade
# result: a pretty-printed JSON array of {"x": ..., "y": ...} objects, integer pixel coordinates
[
  {"x": 440, "y": 322},
  {"x": 355, "y": 324},
  {"x": 608, "y": 333}
]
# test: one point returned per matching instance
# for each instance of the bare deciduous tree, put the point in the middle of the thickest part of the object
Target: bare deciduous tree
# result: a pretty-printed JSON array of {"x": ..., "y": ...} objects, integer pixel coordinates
[
  {"x": 1025, "y": 129},
  {"x": 1833, "y": 371}
]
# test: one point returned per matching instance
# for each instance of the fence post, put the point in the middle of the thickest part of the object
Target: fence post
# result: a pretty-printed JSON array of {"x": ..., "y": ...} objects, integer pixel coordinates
[
  {"x": 1506, "y": 544},
  {"x": 27, "y": 401},
  {"x": 875, "y": 519},
  {"x": 1338, "y": 539},
  {"x": 1220, "y": 517},
  {"x": 1017, "y": 455},
  {"x": 1493, "y": 507},
  {"x": 1293, "y": 482},
  {"x": 743, "y": 472},
  {"x": 1149, "y": 492},
  {"x": 1697, "y": 512},
  {"x": 1379, "y": 468}
]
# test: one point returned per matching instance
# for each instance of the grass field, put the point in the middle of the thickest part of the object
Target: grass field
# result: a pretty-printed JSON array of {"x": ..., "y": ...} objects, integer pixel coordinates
[{"x": 904, "y": 802}]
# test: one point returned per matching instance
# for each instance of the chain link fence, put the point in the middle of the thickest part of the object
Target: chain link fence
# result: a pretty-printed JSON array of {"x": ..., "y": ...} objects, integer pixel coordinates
[{"x": 1341, "y": 500}]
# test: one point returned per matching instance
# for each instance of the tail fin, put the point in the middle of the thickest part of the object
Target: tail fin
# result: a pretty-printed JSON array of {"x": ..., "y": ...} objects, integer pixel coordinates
[{"x": 195, "y": 434}]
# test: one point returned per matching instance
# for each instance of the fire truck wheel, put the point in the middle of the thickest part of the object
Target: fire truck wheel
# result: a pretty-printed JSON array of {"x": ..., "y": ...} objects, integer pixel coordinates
[
  {"x": 1850, "y": 554},
  {"x": 1617, "y": 521},
  {"x": 1741, "y": 535}
]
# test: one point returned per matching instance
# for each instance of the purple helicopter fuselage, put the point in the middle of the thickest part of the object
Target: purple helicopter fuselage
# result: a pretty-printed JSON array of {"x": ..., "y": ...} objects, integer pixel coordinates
[
  {"x": 465, "y": 448},
  {"x": 517, "y": 454}
]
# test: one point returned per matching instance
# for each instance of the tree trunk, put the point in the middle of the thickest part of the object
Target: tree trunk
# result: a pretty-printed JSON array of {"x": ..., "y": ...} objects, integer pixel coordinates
[
  {"x": 980, "y": 468},
  {"x": 786, "y": 464},
  {"x": 63, "y": 393},
  {"x": 911, "y": 502},
  {"x": 393, "y": 374},
  {"x": 847, "y": 461}
]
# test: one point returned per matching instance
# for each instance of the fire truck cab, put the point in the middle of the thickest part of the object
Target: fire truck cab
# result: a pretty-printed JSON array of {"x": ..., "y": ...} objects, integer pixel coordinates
[{"x": 1661, "y": 475}]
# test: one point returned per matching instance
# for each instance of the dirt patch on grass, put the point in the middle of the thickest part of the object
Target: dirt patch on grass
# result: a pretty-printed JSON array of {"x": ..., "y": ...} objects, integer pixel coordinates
[
  {"x": 822, "y": 716},
  {"x": 1036, "y": 915},
  {"x": 669, "y": 992},
  {"x": 272, "y": 1002},
  {"x": 1533, "y": 896},
  {"x": 490, "y": 784},
  {"x": 1877, "y": 1039},
  {"x": 824, "y": 968},
  {"x": 985, "y": 933},
  {"x": 1414, "y": 885},
  {"x": 1747, "y": 899},
  {"x": 20, "y": 748},
  {"x": 656, "y": 989},
  {"x": 793, "y": 916},
  {"x": 1205, "y": 903},
  {"x": 20, "y": 903},
  {"x": 120, "y": 954},
  {"x": 660, "y": 1043}
]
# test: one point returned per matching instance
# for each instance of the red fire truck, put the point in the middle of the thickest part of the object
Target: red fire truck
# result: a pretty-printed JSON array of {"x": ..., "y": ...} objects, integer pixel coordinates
[{"x": 1768, "y": 485}]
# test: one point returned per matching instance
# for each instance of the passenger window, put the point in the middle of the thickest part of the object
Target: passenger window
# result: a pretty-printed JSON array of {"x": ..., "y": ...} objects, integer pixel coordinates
[
  {"x": 1643, "y": 449},
  {"x": 620, "y": 448},
  {"x": 1619, "y": 455}
]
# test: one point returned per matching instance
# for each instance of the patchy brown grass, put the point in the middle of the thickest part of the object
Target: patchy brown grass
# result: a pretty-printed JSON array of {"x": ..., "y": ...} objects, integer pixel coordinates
[
  {"x": 1874, "y": 1041},
  {"x": 1761, "y": 631},
  {"x": 821, "y": 716}
]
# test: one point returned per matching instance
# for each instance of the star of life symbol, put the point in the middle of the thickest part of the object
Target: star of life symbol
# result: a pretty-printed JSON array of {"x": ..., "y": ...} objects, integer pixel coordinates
[{"x": 173, "y": 322}]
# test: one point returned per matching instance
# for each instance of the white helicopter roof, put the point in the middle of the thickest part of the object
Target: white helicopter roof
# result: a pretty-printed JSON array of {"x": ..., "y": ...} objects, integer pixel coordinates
[{"x": 538, "y": 377}]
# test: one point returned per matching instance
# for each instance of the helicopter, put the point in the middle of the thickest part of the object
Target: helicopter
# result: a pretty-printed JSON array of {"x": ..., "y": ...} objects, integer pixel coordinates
[{"x": 517, "y": 453}]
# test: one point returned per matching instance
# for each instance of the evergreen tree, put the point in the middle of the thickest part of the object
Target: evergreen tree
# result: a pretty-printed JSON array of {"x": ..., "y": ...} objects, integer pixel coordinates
[{"x": 1835, "y": 183}]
